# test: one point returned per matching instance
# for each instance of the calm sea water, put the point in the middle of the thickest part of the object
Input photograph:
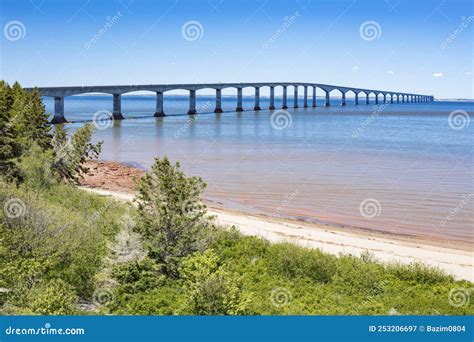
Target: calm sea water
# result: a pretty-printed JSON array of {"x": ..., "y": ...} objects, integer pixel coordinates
[{"x": 395, "y": 168}]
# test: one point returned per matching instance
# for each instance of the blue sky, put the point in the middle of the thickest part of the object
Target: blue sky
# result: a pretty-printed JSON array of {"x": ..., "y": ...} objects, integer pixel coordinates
[{"x": 418, "y": 46}]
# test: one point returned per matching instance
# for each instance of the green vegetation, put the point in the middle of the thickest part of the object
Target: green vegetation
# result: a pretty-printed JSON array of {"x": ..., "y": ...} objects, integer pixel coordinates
[{"x": 65, "y": 251}]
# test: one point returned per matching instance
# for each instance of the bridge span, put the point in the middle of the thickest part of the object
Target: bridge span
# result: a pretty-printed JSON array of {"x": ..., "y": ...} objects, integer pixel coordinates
[{"x": 383, "y": 96}]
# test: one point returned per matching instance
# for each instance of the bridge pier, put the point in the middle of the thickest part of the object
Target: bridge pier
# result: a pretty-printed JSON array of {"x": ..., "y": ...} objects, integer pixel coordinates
[
  {"x": 272, "y": 98},
  {"x": 376, "y": 98},
  {"x": 239, "y": 107},
  {"x": 403, "y": 98},
  {"x": 218, "y": 108},
  {"x": 327, "y": 103},
  {"x": 343, "y": 99},
  {"x": 58, "y": 117},
  {"x": 159, "y": 112},
  {"x": 117, "y": 108},
  {"x": 295, "y": 97},
  {"x": 384, "y": 98},
  {"x": 366, "y": 98},
  {"x": 314, "y": 97},
  {"x": 391, "y": 98},
  {"x": 305, "y": 97},
  {"x": 192, "y": 102},
  {"x": 356, "y": 99},
  {"x": 284, "y": 105},
  {"x": 257, "y": 99}
]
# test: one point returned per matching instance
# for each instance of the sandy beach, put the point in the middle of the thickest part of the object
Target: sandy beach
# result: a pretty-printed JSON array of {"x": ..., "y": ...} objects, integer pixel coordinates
[{"x": 117, "y": 180}]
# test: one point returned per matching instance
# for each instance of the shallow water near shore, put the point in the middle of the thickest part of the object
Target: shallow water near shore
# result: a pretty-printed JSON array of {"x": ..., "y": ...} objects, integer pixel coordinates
[{"x": 397, "y": 168}]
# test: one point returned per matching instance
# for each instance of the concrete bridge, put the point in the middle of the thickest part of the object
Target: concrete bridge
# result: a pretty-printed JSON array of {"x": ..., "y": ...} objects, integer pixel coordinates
[{"x": 381, "y": 96}]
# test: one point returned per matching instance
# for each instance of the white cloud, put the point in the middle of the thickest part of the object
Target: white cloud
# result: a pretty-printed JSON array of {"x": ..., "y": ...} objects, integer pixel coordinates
[
  {"x": 390, "y": 72},
  {"x": 468, "y": 73},
  {"x": 355, "y": 68},
  {"x": 438, "y": 74}
]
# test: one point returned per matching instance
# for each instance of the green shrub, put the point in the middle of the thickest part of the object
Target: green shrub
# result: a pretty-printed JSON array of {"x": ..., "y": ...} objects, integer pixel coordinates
[
  {"x": 418, "y": 273},
  {"x": 210, "y": 289},
  {"x": 137, "y": 275},
  {"x": 292, "y": 261},
  {"x": 173, "y": 220},
  {"x": 54, "y": 297}
]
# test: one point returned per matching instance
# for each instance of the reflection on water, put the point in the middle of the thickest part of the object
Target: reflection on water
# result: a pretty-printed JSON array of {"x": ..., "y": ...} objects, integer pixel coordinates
[{"x": 402, "y": 170}]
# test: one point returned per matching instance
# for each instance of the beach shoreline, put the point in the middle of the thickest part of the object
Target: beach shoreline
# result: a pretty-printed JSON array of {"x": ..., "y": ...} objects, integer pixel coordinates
[{"x": 115, "y": 179}]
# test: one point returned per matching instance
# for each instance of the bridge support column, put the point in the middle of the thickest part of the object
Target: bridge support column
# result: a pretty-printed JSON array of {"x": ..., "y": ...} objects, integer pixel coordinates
[
  {"x": 314, "y": 97},
  {"x": 272, "y": 98},
  {"x": 295, "y": 97},
  {"x": 343, "y": 99},
  {"x": 239, "y": 101},
  {"x": 398, "y": 98},
  {"x": 384, "y": 98},
  {"x": 366, "y": 99},
  {"x": 159, "y": 112},
  {"x": 257, "y": 99},
  {"x": 327, "y": 103},
  {"x": 192, "y": 102},
  {"x": 117, "y": 112},
  {"x": 218, "y": 108},
  {"x": 376, "y": 98},
  {"x": 305, "y": 97},
  {"x": 58, "y": 117},
  {"x": 391, "y": 98},
  {"x": 284, "y": 105},
  {"x": 403, "y": 98},
  {"x": 356, "y": 99}
]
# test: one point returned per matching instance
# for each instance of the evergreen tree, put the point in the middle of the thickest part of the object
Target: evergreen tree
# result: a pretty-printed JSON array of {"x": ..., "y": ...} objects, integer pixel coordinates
[{"x": 173, "y": 222}]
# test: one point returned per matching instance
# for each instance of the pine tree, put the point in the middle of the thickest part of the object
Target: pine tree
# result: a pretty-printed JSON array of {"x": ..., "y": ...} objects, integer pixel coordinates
[{"x": 9, "y": 146}]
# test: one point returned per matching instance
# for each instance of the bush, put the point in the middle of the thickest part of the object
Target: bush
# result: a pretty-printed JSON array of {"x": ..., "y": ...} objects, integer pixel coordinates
[
  {"x": 418, "y": 273},
  {"x": 137, "y": 275},
  {"x": 53, "y": 298},
  {"x": 60, "y": 233},
  {"x": 173, "y": 219},
  {"x": 210, "y": 289},
  {"x": 292, "y": 261}
]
